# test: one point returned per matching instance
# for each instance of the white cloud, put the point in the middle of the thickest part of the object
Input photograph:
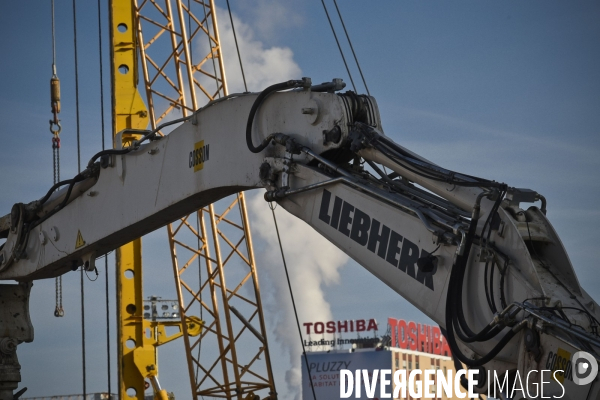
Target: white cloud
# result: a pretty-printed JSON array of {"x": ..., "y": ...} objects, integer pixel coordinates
[
  {"x": 263, "y": 66},
  {"x": 313, "y": 263},
  {"x": 270, "y": 17}
]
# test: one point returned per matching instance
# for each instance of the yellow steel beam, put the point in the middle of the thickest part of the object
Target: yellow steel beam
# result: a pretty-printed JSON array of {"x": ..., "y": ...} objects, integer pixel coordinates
[
  {"x": 129, "y": 112},
  {"x": 136, "y": 350}
]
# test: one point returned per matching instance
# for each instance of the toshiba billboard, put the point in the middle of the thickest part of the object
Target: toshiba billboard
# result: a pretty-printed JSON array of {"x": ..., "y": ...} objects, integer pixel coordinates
[
  {"x": 407, "y": 335},
  {"x": 336, "y": 330},
  {"x": 419, "y": 337}
]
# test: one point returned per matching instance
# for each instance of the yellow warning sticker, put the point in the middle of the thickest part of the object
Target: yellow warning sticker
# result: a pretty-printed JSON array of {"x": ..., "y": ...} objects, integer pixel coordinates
[
  {"x": 560, "y": 362},
  {"x": 79, "y": 242}
]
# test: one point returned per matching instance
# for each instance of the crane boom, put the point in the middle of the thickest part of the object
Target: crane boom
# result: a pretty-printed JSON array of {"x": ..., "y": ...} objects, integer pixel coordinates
[
  {"x": 428, "y": 233},
  {"x": 150, "y": 185}
]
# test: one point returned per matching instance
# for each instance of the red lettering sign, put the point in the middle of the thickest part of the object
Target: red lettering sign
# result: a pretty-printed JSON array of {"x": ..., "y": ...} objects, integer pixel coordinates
[
  {"x": 330, "y": 327},
  {"x": 412, "y": 333},
  {"x": 307, "y": 325},
  {"x": 360, "y": 325},
  {"x": 319, "y": 327},
  {"x": 394, "y": 330},
  {"x": 437, "y": 341},
  {"x": 419, "y": 337}
]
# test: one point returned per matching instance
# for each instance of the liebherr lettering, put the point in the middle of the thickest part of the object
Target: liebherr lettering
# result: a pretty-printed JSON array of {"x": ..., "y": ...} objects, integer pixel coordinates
[{"x": 376, "y": 236}]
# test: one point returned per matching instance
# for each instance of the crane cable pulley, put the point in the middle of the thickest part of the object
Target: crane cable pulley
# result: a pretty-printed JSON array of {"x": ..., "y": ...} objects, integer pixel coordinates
[{"x": 55, "y": 129}]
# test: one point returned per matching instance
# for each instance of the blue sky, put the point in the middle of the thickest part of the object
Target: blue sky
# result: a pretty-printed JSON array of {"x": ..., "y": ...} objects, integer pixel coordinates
[{"x": 504, "y": 90}]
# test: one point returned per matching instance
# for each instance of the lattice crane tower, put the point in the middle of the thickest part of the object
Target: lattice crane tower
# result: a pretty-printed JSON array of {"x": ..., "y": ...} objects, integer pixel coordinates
[{"x": 167, "y": 62}]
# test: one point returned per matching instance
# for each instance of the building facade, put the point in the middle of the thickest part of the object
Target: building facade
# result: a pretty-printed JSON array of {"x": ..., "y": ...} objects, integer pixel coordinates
[{"x": 410, "y": 346}]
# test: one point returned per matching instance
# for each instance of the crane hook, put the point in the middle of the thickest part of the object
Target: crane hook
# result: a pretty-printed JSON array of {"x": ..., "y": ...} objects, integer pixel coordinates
[{"x": 55, "y": 127}]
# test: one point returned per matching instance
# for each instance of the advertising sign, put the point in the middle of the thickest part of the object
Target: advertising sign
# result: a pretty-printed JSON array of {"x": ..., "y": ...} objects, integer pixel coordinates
[
  {"x": 418, "y": 337},
  {"x": 325, "y": 371},
  {"x": 320, "y": 334}
]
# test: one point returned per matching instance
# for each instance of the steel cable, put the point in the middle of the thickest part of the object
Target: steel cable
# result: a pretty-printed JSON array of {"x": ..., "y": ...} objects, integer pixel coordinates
[
  {"x": 58, "y": 308},
  {"x": 218, "y": 93},
  {"x": 79, "y": 171},
  {"x": 287, "y": 275},
  {"x": 198, "y": 216},
  {"x": 338, "y": 44},
  {"x": 53, "y": 42},
  {"x": 103, "y": 147},
  {"x": 351, "y": 48},
  {"x": 237, "y": 47}
]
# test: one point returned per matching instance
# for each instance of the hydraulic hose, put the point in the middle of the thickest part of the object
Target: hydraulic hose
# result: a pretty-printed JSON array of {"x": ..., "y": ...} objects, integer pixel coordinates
[
  {"x": 459, "y": 317},
  {"x": 257, "y": 103},
  {"x": 106, "y": 152},
  {"x": 480, "y": 361},
  {"x": 442, "y": 173},
  {"x": 484, "y": 335},
  {"x": 77, "y": 178},
  {"x": 53, "y": 188},
  {"x": 454, "y": 308},
  {"x": 454, "y": 297},
  {"x": 72, "y": 182}
]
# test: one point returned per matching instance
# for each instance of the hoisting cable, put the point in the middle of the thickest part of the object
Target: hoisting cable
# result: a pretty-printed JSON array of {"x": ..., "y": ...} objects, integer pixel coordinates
[
  {"x": 211, "y": 53},
  {"x": 55, "y": 129},
  {"x": 287, "y": 275},
  {"x": 237, "y": 47},
  {"x": 274, "y": 219},
  {"x": 351, "y": 47},
  {"x": 198, "y": 215},
  {"x": 103, "y": 147},
  {"x": 199, "y": 212},
  {"x": 189, "y": 27},
  {"x": 79, "y": 171},
  {"x": 338, "y": 44}
]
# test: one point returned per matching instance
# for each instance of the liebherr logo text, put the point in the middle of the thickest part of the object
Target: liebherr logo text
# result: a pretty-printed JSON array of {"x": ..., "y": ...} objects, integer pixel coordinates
[
  {"x": 378, "y": 238},
  {"x": 198, "y": 156}
]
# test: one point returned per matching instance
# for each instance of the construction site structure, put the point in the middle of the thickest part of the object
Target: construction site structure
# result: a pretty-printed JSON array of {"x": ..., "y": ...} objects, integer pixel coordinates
[{"x": 180, "y": 68}]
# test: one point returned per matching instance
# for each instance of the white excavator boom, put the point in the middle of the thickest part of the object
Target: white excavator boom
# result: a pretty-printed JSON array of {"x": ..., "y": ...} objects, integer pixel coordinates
[{"x": 493, "y": 275}]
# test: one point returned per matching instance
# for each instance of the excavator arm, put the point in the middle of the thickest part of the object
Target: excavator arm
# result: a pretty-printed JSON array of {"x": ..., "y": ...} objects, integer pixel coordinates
[{"x": 493, "y": 275}]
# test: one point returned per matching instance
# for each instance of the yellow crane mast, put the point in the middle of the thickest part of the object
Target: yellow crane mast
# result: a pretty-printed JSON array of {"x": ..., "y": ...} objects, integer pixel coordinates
[{"x": 178, "y": 48}]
